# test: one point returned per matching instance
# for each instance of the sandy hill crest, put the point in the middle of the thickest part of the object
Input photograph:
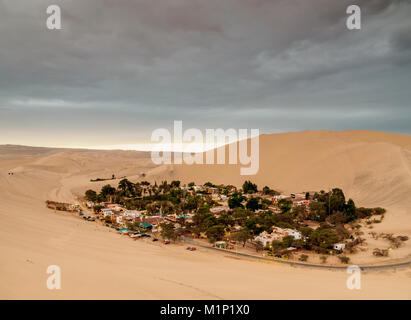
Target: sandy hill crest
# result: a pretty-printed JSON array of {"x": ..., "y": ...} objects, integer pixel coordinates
[{"x": 372, "y": 167}]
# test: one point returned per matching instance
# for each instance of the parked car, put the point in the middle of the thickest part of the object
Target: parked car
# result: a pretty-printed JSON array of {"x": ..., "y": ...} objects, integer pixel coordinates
[
  {"x": 191, "y": 248},
  {"x": 166, "y": 241},
  {"x": 145, "y": 235},
  {"x": 155, "y": 239}
]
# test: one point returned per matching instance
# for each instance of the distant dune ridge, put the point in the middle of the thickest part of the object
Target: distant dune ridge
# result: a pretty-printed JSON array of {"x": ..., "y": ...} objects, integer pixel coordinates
[
  {"x": 364, "y": 163},
  {"x": 373, "y": 168}
]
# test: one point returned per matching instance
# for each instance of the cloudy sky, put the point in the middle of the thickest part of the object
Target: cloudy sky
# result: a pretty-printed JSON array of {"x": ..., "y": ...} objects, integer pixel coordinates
[{"x": 120, "y": 69}]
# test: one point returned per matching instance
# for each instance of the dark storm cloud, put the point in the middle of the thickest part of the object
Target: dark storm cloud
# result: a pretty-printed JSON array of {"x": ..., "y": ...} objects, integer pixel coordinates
[
  {"x": 139, "y": 65},
  {"x": 402, "y": 40}
]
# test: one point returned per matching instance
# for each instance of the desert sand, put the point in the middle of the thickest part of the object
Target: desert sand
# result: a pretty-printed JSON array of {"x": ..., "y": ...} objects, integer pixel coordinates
[{"x": 373, "y": 168}]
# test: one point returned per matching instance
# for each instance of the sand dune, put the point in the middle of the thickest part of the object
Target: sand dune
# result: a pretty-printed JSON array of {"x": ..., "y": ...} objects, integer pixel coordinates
[
  {"x": 314, "y": 160},
  {"x": 372, "y": 167}
]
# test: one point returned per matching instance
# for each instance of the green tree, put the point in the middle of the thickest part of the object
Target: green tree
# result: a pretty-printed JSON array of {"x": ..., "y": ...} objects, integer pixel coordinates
[
  {"x": 192, "y": 203},
  {"x": 243, "y": 235},
  {"x": 108, "y": 219},
  {"x": 267, "y": 191},
  {"x": 175, "y": 184},
  {"x": 317, "y": 211},
  {"x": 278, "y": 246},
  {"x": 209, "y": 184},
  {"x": 252, "y": 204},
  {"x": 225, "y": 219},
  {"x": 97, "y": 208},
  {"x": 202, "y": 220},
  {"x": 168, "y": 232},
  {"x": 344, "y": 259},
  {"x": 236, "y": 201},
  {"x": 323, "y": 239},
  {"x": 252, "y": 225},
  {"x": 336, "y": 200},
  {"x": 337, "y": 218},
  {"x": 91, "y": 195},
  {"x": 350, "y": 210},
  {"x": 107, "y": 191},
  {"x": 299, "y": 213},
  {"x": 258, "y": 245},
  {"x": 299, "y": 243},
  {"x": 249, "y": 187},
  {"x": 285, "y": 205},
  {"x": 126, "y": 186},
  {"x": 240, "y": 214},
  {"x": 209, "y": 221},
  {"x": 215, "y": 233},
  {"x": 288, "y": 241},
  {"x": 305, "y": 231}
]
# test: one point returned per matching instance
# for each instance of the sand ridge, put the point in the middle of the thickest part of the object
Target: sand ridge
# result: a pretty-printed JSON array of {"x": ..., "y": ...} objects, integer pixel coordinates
[{"x": 371, "y": 167}]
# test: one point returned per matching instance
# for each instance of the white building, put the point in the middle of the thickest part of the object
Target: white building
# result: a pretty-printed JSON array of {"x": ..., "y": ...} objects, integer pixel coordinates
[
  {"x": 90, "y": 204},
  {"x": 107, "y": 212},
  {"x": 132, "y": 213},
  {"x": 297, "y": 235},
  {"x": 279, "y": 233},
  {"x": 339, "y": 246},
  {"x": 279, "y": 197},
  {"x": 266, "y": 238},
  {"x": 298, "y": 203},
  {"x": 219, "y": 210}
]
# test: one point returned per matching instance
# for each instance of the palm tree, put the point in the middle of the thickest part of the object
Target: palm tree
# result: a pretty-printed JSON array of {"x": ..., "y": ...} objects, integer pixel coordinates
[
  {"x": 125, "y": 186},
  {"x": 108, "y": 190}
]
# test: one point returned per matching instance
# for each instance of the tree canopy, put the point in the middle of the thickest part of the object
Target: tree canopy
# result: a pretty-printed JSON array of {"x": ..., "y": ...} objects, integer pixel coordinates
[{"x": 249, "y": 187}]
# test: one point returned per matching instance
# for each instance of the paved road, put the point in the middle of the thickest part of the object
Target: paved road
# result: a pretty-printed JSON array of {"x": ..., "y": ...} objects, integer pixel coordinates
[{"x": 306, "y": 265}]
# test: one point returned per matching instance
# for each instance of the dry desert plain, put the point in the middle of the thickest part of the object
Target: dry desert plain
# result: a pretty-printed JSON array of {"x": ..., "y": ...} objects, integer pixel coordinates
[{"x": 373, "y": 168}]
